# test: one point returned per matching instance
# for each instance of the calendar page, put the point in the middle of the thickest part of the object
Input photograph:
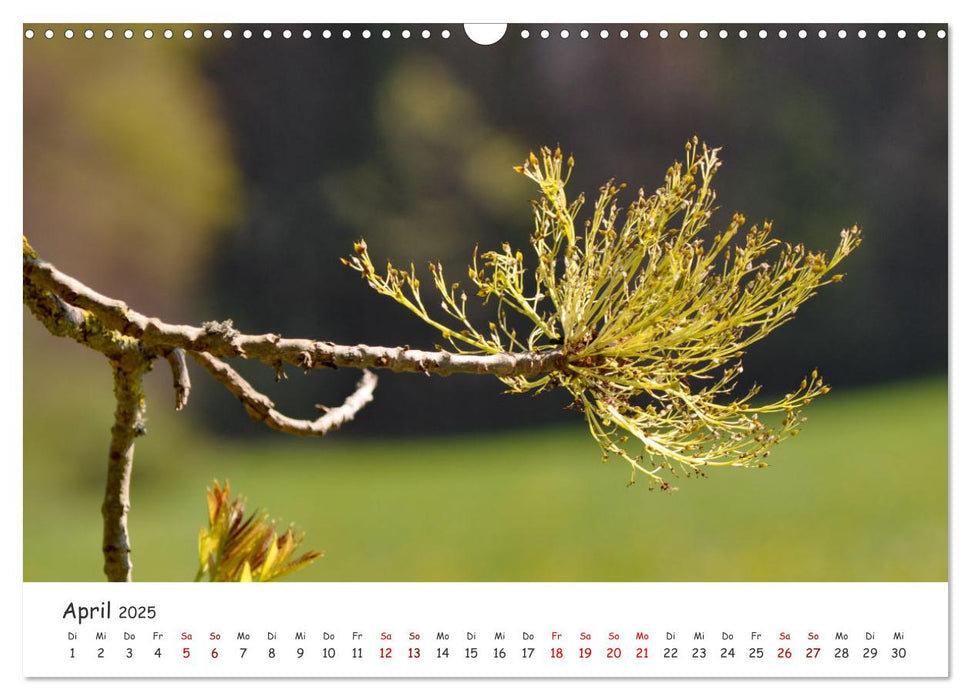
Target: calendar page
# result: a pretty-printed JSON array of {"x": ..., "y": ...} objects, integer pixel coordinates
[{"x": 444, "y": 351}]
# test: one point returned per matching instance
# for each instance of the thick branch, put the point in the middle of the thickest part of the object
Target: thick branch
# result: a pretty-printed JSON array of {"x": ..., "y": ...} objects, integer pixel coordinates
[
  {"x": 67, "y": 321},
  {"x": 261, "y": 407},
  {"x": 129, "y": 424},
  {"x": 222, "y": 340}
]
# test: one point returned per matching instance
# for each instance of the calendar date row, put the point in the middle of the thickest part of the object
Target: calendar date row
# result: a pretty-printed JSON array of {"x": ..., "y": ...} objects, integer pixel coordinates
[{"x": 495, "y": 653}]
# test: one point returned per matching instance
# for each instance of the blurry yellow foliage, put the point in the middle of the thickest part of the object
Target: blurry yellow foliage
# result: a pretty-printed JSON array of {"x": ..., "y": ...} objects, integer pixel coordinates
[
  {"x": 438, "y": 151},
  {"x": 127, "y": 168}
]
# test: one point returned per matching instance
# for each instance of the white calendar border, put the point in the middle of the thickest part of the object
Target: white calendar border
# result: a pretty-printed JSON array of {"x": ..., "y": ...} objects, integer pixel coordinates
[
  {"x": 392, "y": 630},
  {"x": 706, "y": 10}
]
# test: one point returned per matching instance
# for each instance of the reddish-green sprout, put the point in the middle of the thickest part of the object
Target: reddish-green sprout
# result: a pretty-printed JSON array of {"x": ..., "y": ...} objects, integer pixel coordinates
[{"x": 239, "y": 548}]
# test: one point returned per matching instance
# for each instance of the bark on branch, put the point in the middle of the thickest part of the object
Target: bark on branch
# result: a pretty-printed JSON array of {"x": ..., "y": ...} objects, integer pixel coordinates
[
  {"x": 67, "y": 321},
  {"x": 129, "y": 424}
]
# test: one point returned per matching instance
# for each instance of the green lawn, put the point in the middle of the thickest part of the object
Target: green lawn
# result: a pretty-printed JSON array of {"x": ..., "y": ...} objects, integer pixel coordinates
[{"x": 860, "y": 495}]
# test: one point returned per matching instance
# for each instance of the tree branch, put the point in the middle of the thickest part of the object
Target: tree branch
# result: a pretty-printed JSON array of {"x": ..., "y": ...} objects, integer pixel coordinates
[
  {"x": 223, "y": 341},
  {"x": 260, "y": 407},
  {"x": 180, "y": 377},
  {"x": 129, "y": 424},
  {"x": 131, "y": 341},
  {"x": 66, "y": 321}
]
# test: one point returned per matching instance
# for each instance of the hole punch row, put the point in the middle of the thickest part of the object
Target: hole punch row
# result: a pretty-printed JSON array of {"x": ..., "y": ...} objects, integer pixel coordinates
[{"x": 485, "y": 37}]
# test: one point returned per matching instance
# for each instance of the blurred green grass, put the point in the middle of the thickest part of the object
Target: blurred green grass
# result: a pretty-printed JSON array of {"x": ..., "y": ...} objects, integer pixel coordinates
[{"x": 860, "y": 495}]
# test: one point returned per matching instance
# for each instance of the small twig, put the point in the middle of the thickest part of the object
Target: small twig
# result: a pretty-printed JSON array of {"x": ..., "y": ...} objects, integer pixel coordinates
[
  {"x": 260, "y": 407},
  {"x": 180, "y": 377}
]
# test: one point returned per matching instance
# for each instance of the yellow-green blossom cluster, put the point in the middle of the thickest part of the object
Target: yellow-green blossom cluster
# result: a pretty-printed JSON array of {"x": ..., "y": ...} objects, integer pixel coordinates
[{"x": 653, "y": 319}]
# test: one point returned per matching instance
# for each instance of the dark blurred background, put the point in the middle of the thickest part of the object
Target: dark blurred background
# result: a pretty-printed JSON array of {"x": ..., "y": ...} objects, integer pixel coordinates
[
  {"x": 222, "y": 178},
  {"x": 411, "y": 145}
]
